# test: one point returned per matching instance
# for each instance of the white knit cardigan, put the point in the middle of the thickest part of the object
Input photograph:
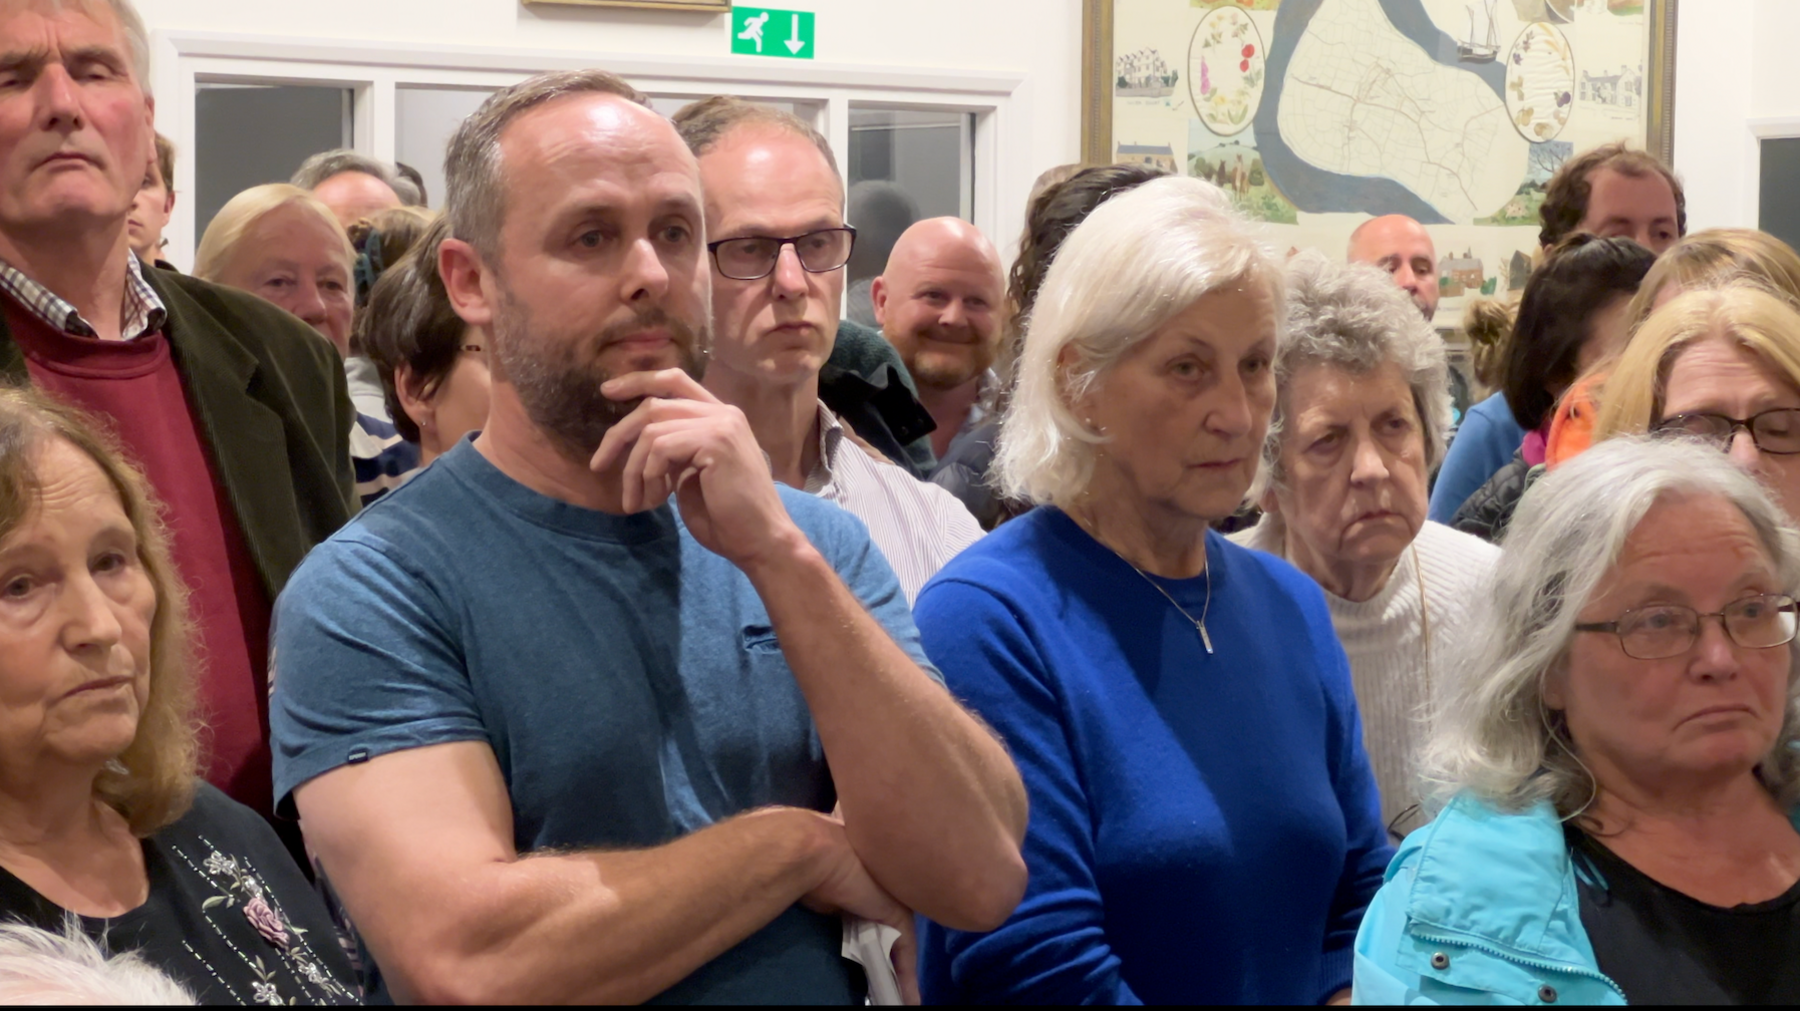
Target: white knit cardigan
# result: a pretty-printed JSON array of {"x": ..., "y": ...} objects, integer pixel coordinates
[{"x": 1397, "y": 671}]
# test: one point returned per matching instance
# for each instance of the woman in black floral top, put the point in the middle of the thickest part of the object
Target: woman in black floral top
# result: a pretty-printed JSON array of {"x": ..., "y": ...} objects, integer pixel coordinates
[{"x": 101, "y": 816}]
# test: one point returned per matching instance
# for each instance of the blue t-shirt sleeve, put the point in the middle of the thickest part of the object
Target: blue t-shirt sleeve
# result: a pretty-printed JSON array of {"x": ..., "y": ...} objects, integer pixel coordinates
[
  {"x": 844, "y": 541},
  {"x": 1053, "y": 949},
  {"x": 364, "y": 663},
  {"x": 1367, "y": 850}
]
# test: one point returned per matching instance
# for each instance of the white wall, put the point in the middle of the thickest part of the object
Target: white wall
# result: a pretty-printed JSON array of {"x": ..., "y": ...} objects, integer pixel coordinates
[
  {"x": 1737, "y": 71},
  {"x": 1037, "y": 40}
]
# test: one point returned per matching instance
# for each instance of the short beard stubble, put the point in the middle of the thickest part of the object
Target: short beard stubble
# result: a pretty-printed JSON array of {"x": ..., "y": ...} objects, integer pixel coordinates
[{"x": 558, "y": 374}]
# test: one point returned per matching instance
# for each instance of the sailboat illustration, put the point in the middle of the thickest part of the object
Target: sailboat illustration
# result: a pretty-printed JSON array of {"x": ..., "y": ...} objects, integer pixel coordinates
[{"x": 1476, "y": 49}]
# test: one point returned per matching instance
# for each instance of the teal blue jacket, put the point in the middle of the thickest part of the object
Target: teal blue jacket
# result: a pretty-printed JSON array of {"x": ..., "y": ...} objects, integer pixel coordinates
[{"x": 1480, "y": 907}]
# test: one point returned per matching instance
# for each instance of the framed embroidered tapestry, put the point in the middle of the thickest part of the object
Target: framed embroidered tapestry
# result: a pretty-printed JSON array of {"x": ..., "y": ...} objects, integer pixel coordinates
[
  {"x": 710, "y": 6},
  {"x": 1316, "y": 114}
]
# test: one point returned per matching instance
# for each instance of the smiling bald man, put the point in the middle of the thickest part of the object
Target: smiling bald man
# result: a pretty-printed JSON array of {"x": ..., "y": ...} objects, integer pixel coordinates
[{"x": 938, "y": 303}]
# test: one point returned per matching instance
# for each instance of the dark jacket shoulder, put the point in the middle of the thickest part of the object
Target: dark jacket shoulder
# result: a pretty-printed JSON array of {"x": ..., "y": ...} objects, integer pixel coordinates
[
  {"x": 1488, "y": 511},
  {"x": 266, "y": 389},
  {"x": 865, "y": 383},
  {"x": 967, "y": 471}
]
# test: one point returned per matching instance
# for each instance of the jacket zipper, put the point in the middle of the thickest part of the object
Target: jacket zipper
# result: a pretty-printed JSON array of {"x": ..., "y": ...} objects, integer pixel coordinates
[{"x": 1523, "y": 960}]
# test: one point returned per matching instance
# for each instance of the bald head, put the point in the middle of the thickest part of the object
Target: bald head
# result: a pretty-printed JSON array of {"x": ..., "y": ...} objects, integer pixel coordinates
[
  {"x": 938, "y": 302},
  {"x": 353, "y": 196},
  {"x": 1403, "y": 248}
]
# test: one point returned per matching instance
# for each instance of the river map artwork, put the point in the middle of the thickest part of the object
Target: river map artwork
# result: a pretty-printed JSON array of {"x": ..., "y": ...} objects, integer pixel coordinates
[{"x": 1316, "y": 114}]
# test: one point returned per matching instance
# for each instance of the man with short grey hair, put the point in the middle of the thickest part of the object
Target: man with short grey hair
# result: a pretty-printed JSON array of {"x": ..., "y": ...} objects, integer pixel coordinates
[
  {"x": 354, "y": 185},
  {"x": 659, "y": 720},
  {"x": 235, "y": 410}
]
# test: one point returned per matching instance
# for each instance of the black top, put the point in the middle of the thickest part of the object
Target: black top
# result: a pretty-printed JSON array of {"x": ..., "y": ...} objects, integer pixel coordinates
[
  {"x": 229, "y": 915},
  {"x": 1663, "y": 947}
]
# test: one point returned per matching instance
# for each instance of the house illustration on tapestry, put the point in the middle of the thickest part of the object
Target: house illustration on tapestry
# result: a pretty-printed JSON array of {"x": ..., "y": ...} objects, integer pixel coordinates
[
  {"x": 1160, "y": 156},
  {"x": 1461, "y": 274},
  {"x": 1624, "y": 89}
]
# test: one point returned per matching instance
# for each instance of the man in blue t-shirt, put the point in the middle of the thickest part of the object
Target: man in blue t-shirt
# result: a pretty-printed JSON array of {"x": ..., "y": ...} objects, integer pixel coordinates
[{"x": 553, "y": 738}]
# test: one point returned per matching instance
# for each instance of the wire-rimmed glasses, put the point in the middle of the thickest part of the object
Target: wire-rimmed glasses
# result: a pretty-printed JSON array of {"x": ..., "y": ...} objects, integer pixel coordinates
[{"x": 1660, "y": 631}]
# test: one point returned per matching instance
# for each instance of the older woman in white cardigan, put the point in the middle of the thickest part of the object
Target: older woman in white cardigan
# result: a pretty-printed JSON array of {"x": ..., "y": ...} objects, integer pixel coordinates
[{"x": 1360, "y": 412}]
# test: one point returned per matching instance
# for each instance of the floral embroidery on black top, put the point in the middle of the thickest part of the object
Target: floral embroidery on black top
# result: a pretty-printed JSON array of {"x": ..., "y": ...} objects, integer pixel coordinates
[{"x": 229, "y": 915}]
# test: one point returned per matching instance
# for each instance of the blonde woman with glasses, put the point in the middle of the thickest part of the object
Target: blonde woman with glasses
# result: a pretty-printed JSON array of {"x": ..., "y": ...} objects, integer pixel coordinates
[{"x": 1720, "y": 366}]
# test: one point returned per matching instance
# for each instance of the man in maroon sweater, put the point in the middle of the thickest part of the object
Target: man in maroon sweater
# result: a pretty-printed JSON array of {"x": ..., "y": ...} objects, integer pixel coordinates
[{"x": 237, "y": 412}]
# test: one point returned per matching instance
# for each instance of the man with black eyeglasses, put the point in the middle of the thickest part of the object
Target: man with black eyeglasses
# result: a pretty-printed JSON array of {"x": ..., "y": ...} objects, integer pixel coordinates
[{"x": 778, "y": 243}]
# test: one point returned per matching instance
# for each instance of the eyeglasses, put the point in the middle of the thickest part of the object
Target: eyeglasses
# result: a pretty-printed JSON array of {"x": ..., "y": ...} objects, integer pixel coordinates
[
  {"x": 753, "y": 257},
  {"x": 1776, "y": 431},
  {"x": 1666, "y": 630}
]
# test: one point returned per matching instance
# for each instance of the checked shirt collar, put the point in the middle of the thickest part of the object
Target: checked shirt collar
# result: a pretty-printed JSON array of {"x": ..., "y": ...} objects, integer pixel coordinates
[{"x": 143, "y": 310}]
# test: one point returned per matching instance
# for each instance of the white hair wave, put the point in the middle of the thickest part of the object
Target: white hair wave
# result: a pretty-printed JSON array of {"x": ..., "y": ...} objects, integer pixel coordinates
[
  {"x": 41, "y": 967},
  {"x": 1139, "y": 260}
]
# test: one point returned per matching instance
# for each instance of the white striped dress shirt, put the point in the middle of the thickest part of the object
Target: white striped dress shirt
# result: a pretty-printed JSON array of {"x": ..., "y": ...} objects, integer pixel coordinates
[{"x": 917, "y": 525}]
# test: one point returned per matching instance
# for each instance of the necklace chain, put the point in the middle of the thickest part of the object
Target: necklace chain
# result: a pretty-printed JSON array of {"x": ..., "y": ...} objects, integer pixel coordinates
[{"x": 1200, "y": 622}]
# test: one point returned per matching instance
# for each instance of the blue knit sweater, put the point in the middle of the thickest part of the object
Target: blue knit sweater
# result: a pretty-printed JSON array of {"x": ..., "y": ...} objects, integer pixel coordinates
[{"x": 1204, "y": 829}]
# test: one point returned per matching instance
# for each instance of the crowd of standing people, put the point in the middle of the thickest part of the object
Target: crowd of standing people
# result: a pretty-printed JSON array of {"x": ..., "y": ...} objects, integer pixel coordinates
[{"x": 557, "y": 599}]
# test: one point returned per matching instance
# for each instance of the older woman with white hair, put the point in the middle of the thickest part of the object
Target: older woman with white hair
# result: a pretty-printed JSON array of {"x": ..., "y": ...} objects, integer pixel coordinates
[
  {"x": 1361, "y": 406},
  {"x": 1618, "y": 758},
  {"x": 1204, "y": 824},
  {"x": 281, "y": 243}
]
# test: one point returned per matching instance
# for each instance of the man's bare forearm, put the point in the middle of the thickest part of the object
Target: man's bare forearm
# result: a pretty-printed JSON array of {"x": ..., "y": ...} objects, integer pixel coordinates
[
  {"x": 931, "y": 801},
  {"x": 597, "y": 927}
]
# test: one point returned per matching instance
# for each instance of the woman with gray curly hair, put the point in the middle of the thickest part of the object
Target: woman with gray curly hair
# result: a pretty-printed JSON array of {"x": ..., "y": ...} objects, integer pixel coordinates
[
  {"x": 1361, "y": 406},
  {"x": 1618, "y": 760}
]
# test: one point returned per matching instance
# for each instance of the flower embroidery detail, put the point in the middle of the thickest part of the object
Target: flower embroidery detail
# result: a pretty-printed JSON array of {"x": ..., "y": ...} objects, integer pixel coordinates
[
  {"x": 219, "y": 863},
  {"x": 266, "y": 922},
  {"x": 314, "y": 975},
  {"x": 266, "y": 994}
]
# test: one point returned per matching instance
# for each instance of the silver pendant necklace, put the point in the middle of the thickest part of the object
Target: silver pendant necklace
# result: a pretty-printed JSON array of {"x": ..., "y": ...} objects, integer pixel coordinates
[{"x": 1200, "y": 622}]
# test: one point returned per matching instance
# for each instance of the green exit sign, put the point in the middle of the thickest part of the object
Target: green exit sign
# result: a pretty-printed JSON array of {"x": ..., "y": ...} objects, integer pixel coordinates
[{"x": 760, "y": 31}]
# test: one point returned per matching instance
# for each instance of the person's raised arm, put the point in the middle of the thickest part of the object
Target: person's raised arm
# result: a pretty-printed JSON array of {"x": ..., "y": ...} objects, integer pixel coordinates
[
  {"x": 418, "y": 844},
  {"x": 930, "y": 799}
]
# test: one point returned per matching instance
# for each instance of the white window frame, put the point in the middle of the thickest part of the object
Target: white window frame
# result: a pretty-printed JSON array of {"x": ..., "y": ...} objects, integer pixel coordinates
[
  {"x": 181, "y": 61},
  {"x": 1761, "y": 129}
]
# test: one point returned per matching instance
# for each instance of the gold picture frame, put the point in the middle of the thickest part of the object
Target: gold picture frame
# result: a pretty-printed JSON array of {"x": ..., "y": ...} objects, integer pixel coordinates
[{"x": 703, "y": 6}]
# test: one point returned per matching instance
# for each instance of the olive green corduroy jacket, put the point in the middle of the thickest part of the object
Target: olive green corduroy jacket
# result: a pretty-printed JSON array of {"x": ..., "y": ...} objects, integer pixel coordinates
[{"x": 274, "y": 411}]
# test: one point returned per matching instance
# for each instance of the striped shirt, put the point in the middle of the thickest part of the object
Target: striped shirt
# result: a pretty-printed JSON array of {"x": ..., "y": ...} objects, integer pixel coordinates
[
  {"x": 380, "y": 458},
  {"x": 917, "y": 525},
  {"x": 141, "y": 313}
]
